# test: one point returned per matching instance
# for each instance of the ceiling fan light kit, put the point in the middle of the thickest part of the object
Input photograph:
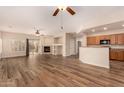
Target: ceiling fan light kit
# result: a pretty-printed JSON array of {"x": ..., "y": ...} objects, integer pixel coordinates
[
  {"x": 62, "y": 7},
  {"x": 37, "y": 32},
  {"x": 62, "y": 27}
]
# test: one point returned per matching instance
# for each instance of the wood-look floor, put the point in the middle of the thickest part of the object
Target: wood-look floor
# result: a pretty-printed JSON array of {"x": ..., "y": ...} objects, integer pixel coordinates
[{"x": 55, "y": 71}]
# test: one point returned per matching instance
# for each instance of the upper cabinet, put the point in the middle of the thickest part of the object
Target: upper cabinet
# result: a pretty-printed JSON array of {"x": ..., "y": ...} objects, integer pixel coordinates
[
  {"x": 104, "y": 37},
  {"x": 92, "y": 41},
  {"x": 120, "y": 39},
  {"x": 115, "y": 39},
  {"x": 97, "y": 40}
]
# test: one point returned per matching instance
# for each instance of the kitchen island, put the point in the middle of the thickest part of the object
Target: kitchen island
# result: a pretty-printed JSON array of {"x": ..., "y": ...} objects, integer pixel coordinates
[{"x": 98, "y": 56}]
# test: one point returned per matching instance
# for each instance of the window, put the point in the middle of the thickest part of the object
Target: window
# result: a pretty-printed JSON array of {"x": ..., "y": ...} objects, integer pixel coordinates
[{"x": 18, "y": 45}]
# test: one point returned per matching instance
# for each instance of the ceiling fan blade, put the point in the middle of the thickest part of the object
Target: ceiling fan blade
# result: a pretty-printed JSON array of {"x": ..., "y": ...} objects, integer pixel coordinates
[
  {"x": 70, "y": 10},
  {"x": 56, "y": 12}
]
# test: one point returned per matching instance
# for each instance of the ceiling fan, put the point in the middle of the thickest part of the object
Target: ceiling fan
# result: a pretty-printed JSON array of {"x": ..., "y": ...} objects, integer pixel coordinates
[
  {"x": 37, "y": 31},
  {"x": 62, "y": 8}
]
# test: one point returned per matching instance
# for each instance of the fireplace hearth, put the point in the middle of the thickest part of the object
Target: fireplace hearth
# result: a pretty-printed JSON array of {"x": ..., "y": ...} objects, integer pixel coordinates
[{"x": 46, "y": 49}]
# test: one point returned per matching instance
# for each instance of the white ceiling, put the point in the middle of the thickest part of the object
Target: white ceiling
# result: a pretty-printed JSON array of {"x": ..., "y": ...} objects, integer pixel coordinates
[
  {"x": 115, "y": 26},
  {"x": 23, "y": 19}
]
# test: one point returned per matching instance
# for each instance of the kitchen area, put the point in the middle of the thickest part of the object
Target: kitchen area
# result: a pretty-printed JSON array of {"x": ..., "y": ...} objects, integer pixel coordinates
[
  {"x": 101, "y": 49},
  {"x": 115, "y": 42}
]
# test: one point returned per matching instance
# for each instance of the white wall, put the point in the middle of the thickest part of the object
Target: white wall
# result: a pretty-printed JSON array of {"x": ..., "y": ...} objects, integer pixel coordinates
[
  {"x": 69, "y": 44},
  {"x": 7, "y": 39},
  {"x": 46, "y": 40},
  {"x": 65, "y": 44},
  {"x": 58, "y": 40},
  {"x": 82, "y": 39}
]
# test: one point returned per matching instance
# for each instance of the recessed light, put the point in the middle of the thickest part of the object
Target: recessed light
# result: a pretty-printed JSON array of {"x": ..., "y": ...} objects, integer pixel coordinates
[
  {"x": 93, "y": 30},
  {"x": 105, "y": 28},
  {"x": 123, "y": 25}
]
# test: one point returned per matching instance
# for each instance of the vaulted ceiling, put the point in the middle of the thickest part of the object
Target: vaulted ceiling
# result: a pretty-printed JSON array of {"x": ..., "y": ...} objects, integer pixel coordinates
[{"x": 23, "y": 19}]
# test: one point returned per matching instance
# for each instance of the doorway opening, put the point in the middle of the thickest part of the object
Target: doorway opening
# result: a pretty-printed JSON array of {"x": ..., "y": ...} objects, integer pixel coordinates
[
  {"x": 33, "y": 46},
  {"x": 78, "y": 46}
]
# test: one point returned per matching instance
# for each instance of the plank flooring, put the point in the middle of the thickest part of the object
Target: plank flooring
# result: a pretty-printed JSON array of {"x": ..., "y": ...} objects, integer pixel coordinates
[{"x": 56, "y": 71}]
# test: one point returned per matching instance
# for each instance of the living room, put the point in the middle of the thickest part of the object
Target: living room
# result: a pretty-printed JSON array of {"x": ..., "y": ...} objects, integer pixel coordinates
[{"x": 65, "y": 46}]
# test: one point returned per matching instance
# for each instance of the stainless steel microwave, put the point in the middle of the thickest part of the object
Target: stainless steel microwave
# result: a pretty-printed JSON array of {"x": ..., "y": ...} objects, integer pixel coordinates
[{"x": 104, "y": 42}]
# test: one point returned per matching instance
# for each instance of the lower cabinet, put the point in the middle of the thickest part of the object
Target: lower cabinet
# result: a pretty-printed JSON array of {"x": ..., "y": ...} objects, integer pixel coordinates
[
  {"x": 120, "y": 55},
  {"x": 120, "y": 39},
  {"x": 117, "y": 54},
  {"x": 113, "y": 55}
]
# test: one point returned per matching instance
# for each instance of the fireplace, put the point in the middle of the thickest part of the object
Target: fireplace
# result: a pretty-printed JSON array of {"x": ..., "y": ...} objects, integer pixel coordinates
[{"x": 46, "y": 49}]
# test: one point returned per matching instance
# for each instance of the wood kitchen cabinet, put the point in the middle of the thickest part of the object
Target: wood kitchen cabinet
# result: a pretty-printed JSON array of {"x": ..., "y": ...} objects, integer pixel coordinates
[
  {"x": 120, "y": 55},
  {"x": 104, "y": 37},
  {"x": 91, "y": 40},
  {"x": 113, "y": 54},
  {"x": 117, "y": 54},
  {"x": 113, "y": 39},
  {"x": 97, "y": 40},
  {"x": 120, "y": 39}
]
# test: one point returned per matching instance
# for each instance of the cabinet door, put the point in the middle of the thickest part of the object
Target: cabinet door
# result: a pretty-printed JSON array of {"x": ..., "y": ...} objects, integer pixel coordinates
[
  {"x": 120, "y": 55},
  {"x": 105, "y": 37},
  {"x": 97, "y": 40},
  {"x": 88, "y": 40},
  {"x": 113, "y": 54},
  {"x": 102, "y": 37},
  {"x": 113, "y": 39},
  {"x": 91, "y": 40},
  {"x": 120, "y": 39}
]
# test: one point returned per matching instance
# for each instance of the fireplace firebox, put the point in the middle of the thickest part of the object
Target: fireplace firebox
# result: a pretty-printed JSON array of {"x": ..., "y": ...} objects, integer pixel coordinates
[{"x": 46, "y": 49}]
